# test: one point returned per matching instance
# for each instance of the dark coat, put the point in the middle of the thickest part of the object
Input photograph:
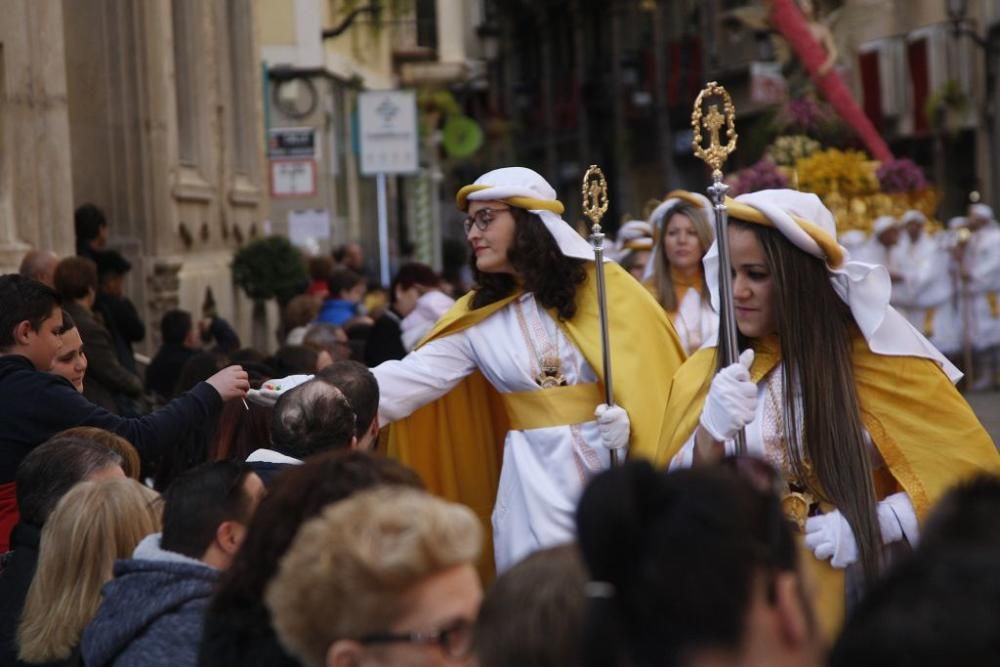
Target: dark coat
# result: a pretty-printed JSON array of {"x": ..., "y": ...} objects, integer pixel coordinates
[
  {"x": 74, "y": 660},
  {"x": 385, "y": 340},
  {"x": 124, "y": 325},
  {"x": 106, "y": 378},
  {"x": 240, "y": 635},
  {"x": 18, "y": 572},
  {"x": 38, "y": 405},
  {"x": 152, "y": 614},
  {"x": 165, "y": 368}
]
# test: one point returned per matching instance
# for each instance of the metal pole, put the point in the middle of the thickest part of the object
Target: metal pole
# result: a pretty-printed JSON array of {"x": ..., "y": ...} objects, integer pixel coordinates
[
  {"x": 597, "y": 240},
  {"x": 383, "y": 230},
  {"x": 595, "y": 205},
  {"x": 714, "y": 156},
  {"x": 728, "y": 344}
]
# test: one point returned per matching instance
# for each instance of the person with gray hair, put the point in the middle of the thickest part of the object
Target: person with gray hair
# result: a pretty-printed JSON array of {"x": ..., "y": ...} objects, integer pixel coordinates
[
  {"x": 311, "y": 418},
  {"x": 39, "y": 265},
  {"x": 45, "y": 475},
  {"x": 385, "y": 577}
]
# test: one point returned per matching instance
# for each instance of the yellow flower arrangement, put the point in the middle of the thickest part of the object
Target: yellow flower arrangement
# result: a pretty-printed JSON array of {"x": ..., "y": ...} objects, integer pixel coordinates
[{"x": 847, "y": 173}]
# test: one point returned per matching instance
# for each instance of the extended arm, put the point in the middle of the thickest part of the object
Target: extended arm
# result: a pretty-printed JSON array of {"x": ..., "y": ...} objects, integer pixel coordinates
[{"x": 424, "y": 375}]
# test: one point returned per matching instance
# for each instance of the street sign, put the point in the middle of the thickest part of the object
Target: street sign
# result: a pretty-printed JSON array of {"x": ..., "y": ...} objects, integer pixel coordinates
[
  {"x": 291, "y": 142},
  {"x": 388, "y": 132}
]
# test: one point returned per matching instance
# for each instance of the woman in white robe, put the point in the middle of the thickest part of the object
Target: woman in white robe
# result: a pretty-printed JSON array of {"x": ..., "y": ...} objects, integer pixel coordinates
[
  {"x": 534, "y": 274},
  {"x": 675, "y": 276}
]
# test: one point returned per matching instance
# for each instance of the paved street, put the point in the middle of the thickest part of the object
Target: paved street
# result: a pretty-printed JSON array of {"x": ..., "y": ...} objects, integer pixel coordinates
[{"x": 987, "y": 407}]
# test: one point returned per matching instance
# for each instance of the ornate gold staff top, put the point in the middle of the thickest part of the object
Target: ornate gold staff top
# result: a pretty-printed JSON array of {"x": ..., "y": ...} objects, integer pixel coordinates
[
  {"x": 715, "y": 155},
  {"x": 595, "y": 205}
]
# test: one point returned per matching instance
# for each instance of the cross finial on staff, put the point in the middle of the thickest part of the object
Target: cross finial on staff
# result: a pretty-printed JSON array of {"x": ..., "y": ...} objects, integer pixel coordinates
[
  {"x": 716, "y": 152},
  {"x": 713, "y": 123}
]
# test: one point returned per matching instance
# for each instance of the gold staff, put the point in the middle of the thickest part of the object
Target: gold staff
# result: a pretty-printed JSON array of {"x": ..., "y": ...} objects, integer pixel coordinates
[
  {"x": 595, "y": 205},
  {"x": 715, "y": 156}
]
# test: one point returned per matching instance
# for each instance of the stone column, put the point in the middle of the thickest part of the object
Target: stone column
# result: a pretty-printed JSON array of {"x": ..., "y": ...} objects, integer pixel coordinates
[
  {"x": 36, "y": 205},
  {"x": 163, "y": 285}
]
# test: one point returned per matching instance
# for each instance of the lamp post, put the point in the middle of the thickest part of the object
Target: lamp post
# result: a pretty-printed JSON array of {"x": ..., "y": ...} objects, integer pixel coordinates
[{"x": 960, "y": 27}]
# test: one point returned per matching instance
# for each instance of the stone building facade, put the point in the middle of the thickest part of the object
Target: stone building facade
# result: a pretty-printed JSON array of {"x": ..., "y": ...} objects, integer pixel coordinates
[{"x": 150, "y": 110}]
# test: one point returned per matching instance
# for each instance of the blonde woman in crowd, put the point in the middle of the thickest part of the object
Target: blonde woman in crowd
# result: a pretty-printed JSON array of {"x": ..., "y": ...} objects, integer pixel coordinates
[
  {"x": 683, "y": 234},
  {"x": 93, "y": 525}
]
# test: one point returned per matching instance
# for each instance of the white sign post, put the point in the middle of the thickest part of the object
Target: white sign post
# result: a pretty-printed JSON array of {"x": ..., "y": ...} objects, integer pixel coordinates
[{"x": 388, "y": 140}]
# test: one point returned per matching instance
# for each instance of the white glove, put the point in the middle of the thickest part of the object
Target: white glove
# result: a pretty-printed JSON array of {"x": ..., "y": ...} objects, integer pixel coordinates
[
  {"x": 732, "y": 400},
  {"x": 614, "y": 425},
  {"x": 830, "y": 536},
  {"x": 271, "y": 391}
]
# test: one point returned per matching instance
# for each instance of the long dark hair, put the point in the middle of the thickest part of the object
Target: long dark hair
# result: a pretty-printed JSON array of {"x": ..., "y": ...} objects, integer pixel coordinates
[
  {"x": 550, "y": 275},
  {"x": 824, "y": 431}
]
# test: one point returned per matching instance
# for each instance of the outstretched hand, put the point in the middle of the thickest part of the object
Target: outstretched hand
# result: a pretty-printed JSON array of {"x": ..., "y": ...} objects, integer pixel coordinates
[{"x": 231, "y": 382}]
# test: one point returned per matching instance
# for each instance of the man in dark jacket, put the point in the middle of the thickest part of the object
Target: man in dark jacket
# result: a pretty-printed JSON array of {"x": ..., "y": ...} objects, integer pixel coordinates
[
  {"x": 44, "y": 477},
  {"x": 154, "y": 609},
  {"x": 180, "y": 343},
  {"x": 37, "y": 404},
  {"x": 117, "y": 310}
]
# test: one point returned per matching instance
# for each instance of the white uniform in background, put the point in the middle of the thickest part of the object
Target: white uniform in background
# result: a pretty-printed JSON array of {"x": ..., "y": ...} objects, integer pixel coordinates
[
  {"x": 980, "y": 268},
  {"x": 926, "y": 292},
  {"x": 873, "y": 251}
]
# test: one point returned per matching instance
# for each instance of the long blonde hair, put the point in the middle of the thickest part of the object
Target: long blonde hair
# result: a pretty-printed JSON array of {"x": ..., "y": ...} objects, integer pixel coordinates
[
  {"x": 93, "y": 525},
  {"x": 664, "y": 283}
]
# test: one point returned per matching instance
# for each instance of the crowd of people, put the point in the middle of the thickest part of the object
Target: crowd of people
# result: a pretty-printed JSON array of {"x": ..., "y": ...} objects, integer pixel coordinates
[{"x": 423, "y": 475}]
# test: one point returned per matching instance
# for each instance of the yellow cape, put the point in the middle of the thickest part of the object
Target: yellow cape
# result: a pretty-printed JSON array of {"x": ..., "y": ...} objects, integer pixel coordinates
[
  {"x": 456, "y": 442},
  {"x": 927, "y": 434}
]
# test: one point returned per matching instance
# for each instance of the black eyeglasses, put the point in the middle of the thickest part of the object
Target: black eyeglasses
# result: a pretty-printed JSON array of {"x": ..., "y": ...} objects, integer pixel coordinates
[
  {"x": 455, "y": 639},
  {"x": 482, "y": 218}
]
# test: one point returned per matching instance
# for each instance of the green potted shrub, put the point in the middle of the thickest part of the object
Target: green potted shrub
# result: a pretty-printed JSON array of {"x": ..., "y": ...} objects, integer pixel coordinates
[{"x": 268, "y": 268}]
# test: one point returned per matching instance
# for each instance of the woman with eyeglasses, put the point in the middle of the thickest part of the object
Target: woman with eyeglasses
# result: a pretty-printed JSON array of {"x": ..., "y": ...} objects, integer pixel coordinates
[
  {"x": 674, "y": 274},
  {"x": 833, "y": 386},
  {"x": 531, "y": 330}
]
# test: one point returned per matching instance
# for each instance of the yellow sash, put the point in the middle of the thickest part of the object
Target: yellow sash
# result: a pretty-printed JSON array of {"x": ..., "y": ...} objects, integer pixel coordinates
[
  {"x": 927, "y": 434},
  {"x": 455, "y": 443},
  {"x": 558, "y": 406}
]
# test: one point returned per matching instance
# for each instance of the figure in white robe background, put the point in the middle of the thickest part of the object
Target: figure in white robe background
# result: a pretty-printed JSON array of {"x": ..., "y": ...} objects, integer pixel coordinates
[
  {"x": 925, "y": 291},
  {"x": 978, "y": 267},
  {"x": 682, "y": 235},
  {"x": 876, "y": 250}
]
